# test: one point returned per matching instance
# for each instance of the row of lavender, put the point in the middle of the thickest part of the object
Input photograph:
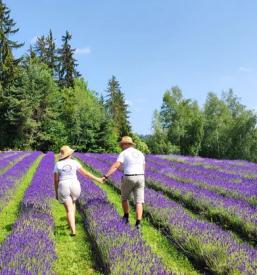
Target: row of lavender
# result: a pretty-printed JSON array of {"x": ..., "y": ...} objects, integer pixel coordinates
[
  {"x": 6, "y": 159},
  {"x": 207, "y": 243},
  {"x": 120, "y": 247},
  {"x": 6, "y": 154},
  {"x": 238, "y": 214},
  {"x": 237, "y": 167},
  {"x": 201, "y": 170},
  {"x": 223, "y": 183},
  {"x": 29, "y": 249},
  {"x": 11, "y": 178}
]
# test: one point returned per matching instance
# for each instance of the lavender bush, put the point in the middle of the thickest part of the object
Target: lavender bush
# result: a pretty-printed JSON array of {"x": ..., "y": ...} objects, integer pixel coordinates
[
  {"x": 10, "y": 179},
  {"x": 29, "y": 249},
  {"x": 11, "y": 158},
  {"x": 217, "y": 249},
  {"x": 222, "y": 183}
]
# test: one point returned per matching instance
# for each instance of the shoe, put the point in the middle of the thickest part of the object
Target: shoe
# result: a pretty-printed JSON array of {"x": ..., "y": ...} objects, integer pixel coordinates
[
  {"x": 138, "y": 226},
  {"x": 72, "y": 234}
]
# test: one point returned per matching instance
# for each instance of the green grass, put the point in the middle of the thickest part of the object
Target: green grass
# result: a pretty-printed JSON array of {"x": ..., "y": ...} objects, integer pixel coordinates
[
  {"x": 159, "y": 244},
  {"x": 10, "y": 212},
  {"x": 74, "y": 254}
]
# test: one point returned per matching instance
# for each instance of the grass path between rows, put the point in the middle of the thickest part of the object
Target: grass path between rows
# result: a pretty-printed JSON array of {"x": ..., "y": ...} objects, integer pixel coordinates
[
  {"x": 159, "y": 244},
  {"x": 10, "y": 212},
  {"x": 74, "y": 254}
]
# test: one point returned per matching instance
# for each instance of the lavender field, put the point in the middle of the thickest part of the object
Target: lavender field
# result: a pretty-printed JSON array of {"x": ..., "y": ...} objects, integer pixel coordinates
[{"x": 200, "y": 217}]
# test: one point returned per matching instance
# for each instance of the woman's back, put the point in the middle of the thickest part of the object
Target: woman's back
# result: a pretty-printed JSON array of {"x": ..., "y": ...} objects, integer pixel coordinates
[{"x": 67, "y": 169}]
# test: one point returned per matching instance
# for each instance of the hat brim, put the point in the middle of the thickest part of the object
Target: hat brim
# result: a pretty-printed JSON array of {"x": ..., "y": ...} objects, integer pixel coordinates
[{"x": 66, "y": 155}]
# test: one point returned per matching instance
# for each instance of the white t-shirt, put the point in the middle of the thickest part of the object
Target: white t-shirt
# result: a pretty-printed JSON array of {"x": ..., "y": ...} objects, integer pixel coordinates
[
  {"x": 133, "y": 161},
  {"x": 67, "y": 169}
]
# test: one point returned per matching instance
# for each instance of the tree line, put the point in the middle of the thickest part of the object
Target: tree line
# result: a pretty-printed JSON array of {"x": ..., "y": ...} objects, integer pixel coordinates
[
  {"x": 45, "y": 103},
  {"x": 223, "y": 128}
]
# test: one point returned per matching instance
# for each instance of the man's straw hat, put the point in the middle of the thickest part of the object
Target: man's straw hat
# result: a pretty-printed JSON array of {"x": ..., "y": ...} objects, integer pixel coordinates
[
  {"x": 65, "y": 152},
  {"x": 127, "y": 140}
]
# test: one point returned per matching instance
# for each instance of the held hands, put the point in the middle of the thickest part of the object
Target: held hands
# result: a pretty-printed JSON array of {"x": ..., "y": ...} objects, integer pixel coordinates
[
  {"x": 104, "y": 179},
  {"x": 100, "y": 180}
]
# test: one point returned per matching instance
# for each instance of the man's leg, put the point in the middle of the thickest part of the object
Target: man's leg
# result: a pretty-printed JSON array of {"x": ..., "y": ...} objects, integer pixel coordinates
[
  {"x": 139, "y": 211},
  {"x": 139, "y": 200},
  {"x": 125, "y": 191},
  {"x": 125, "y": 206}
]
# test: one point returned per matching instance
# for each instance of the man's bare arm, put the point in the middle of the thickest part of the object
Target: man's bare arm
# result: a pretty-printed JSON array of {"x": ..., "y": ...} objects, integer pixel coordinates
[{"x": 116, "y": 165}]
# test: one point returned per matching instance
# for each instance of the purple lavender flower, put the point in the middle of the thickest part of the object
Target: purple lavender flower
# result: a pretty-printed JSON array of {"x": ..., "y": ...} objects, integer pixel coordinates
[
  {"x": 216, "y": 248},
  {"x": 10, "y": 179},
  {"x": 29, "y": 249},
  {"x": 7, "y": 159}
]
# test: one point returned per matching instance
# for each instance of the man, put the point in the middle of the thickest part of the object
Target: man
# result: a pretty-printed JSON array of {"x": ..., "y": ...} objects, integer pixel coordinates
[{"x": 133, "y": 180}]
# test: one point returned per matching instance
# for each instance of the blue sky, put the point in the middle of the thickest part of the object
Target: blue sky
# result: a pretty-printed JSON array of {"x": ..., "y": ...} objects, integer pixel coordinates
[{"x": 152, "y": 45}]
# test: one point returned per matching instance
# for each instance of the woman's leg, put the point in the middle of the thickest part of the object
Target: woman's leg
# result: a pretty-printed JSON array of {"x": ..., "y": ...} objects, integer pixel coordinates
[
  {"x": 70, "y": 214},
  {"x": 75, "y": 191},
  {"x": 74, "y": 208}
]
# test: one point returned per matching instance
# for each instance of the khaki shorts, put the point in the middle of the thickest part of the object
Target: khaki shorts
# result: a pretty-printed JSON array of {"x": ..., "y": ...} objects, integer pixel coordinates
[
  {"x": 135, "y": 184},
  {"x": 68, "y": 188}
]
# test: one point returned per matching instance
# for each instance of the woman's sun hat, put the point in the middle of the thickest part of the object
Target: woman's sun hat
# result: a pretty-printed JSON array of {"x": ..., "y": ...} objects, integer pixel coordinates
[
  {"x": 65, "y": 152},
  {"x": 127, "y": 140}
]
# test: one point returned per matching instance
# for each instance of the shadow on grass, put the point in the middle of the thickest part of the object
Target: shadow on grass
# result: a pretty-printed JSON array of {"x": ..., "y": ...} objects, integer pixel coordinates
[{"x": 8, "y": 227}]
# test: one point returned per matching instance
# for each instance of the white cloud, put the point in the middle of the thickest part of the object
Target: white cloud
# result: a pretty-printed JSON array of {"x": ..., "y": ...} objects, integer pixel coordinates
[
  {"x": 83, "y": 51},
  {"x": 34, "y": 39},
  {"x": 245, "y": 69}
]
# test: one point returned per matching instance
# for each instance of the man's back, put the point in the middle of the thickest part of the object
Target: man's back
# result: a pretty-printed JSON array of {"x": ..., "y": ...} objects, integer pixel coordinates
[{"x": 133, "y": 161}]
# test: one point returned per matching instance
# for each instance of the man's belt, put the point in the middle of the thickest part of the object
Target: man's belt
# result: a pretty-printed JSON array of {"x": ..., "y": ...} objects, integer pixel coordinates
[{"x": 131, "y": 175}]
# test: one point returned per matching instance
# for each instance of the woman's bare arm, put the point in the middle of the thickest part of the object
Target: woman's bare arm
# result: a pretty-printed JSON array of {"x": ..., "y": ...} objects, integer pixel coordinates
[{"x": 87, "y": 174}]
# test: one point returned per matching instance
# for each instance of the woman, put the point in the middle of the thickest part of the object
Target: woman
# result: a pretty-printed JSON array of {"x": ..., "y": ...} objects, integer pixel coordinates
[{"x": 67, "y": 186}]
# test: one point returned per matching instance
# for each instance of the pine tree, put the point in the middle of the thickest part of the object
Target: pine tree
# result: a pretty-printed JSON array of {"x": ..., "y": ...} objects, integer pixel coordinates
[
  {"x": 40, "y": 48},
  {"x": 51, "y": 52},
  {"x": 117, "y": 109},
  {"x": 8, "y": 64},
  {"x": 45, "y": 49},
  {"x": 67, "y": 63}
]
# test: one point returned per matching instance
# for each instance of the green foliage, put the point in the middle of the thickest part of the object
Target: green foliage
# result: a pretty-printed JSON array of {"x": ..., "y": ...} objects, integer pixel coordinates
[
  {"x": 223, "y": 129},
  {"x": 45, "y": 49},
  {"x": 67, "y": 63},
  {"x": 178, "y": 127},
  {"x": 229, "y": 128},
  {"x": 31, "y": 115},
  {"x": 158, "y": 143},
  {"x": 140, "y": 144},
  {"x": 8, "y": 64},
  {"x": 87, "y": 126},
  {"x": 117, "y": 109}
]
